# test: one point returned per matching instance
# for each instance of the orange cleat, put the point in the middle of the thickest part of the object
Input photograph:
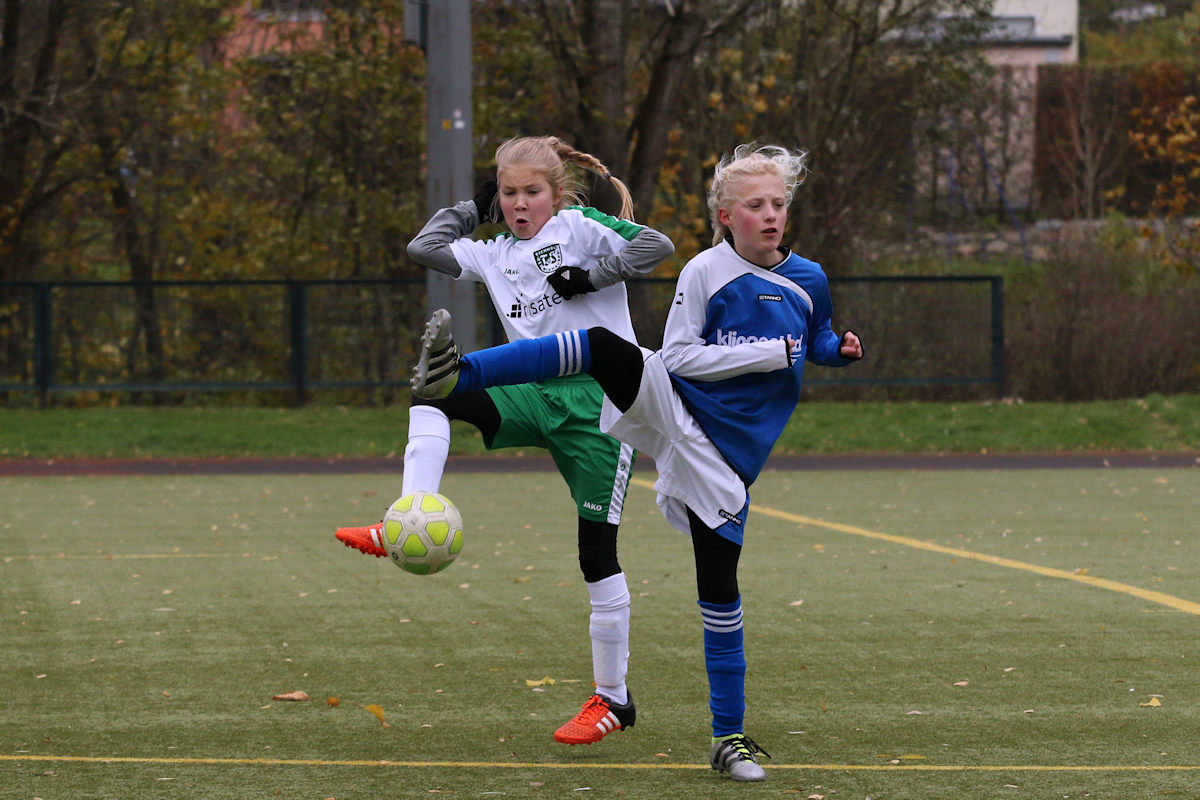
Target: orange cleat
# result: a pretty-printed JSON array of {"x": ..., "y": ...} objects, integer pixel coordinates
[
  {"x": 598, "y": 718},
  {"x": 368, "y": 539}
]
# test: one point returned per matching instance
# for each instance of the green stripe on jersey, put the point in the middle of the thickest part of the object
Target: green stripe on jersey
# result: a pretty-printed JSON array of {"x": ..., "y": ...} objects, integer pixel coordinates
[{"x": 623, "y": 227}]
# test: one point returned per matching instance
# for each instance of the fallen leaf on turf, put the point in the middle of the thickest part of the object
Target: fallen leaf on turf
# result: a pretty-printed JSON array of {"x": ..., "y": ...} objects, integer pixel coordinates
[
  {"x": 961, "y": 683},
  {"x": 546, "y": 681},
  {"x": 914, "y": 713},
  {"x": 333, "y": 702},
  {"x": 378, "y": 712},
  {"x": 1153, "y": 702},
  {"x": 296, "y": 695}
]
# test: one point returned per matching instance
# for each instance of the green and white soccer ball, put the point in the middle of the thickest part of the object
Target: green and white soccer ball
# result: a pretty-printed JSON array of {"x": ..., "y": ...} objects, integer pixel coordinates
[{"x": 423, "y": 532}]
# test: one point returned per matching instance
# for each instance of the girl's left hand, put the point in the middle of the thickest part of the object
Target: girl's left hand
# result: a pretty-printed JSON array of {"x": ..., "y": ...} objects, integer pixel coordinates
[{"x": 851, "y": 346}]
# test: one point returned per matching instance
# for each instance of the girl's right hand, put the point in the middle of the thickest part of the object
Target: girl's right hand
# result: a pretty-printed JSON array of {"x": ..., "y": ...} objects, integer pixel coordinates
[{"x": 485, "y": 201}]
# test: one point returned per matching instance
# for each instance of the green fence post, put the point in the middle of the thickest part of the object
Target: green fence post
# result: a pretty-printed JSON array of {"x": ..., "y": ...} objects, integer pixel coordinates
[
  {"x": 43, "y": 351},
  {"x": 298, "y": 308},
  {"x": 998, "y": 365}
]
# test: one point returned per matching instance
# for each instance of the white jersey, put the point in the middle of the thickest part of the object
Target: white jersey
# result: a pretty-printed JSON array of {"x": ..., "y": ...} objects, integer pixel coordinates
[{"x": 514, "y": 271}]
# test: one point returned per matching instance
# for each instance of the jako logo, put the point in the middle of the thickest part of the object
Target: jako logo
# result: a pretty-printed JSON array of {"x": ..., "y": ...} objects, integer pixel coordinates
[
  {"x": 590, "y": 506},
  {"x": 733, "y": 337}
]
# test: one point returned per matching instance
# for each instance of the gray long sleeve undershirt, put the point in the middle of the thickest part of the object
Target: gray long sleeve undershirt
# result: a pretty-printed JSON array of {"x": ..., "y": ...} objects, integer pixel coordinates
[{"x": 431, "y": 248}]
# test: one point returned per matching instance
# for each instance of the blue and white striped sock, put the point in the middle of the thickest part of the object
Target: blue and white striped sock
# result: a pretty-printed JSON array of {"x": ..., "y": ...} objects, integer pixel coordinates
[
  {"x": 725, "y": 660},
  {"x": 525, "y": 361}
]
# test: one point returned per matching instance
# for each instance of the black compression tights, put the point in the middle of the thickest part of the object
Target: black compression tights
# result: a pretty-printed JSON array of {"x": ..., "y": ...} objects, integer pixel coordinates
[
  {"x": 597, "y": 550},
  {"x": 716, "y": 563},
  {"x": 475, "y": 408}
]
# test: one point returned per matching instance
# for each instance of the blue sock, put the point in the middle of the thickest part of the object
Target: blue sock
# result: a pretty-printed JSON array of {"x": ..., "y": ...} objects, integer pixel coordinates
[
  {"x": 725, "y": 660},
  {"x": 525, "y": 361}
]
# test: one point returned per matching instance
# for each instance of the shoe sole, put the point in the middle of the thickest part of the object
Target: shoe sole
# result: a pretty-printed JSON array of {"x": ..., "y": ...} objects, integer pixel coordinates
[
  {"x": 592, "y": 741},
  {"x": 622, "y": 725},
  {"x": 435, "y": 324},
  {"x": 370, "y": 551}
]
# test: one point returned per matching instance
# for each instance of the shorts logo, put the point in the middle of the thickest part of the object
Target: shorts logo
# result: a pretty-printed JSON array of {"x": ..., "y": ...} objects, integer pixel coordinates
[
  {"x": 778, "y": 298},
  {"x": 548, "y": 258},
  {"x": 590, "y": 506},
  {"x": 735, "y": 519}
]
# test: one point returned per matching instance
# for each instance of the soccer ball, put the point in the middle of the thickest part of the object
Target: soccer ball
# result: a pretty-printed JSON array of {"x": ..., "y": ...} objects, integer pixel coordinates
[{"x": 423, "y": 533}]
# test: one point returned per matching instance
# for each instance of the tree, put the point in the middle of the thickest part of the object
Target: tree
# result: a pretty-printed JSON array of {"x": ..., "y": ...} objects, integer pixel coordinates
[
  {"x": 1169, "y": 137},
  {"x": 331, "y": 145},
  {"x": 666, "y": 87},
  {"x": 34, "y": 128},
  {"x": 621, "y": 68},
  {"x": 850, "y": 82},
  {"x": 1084, "y": 136}
]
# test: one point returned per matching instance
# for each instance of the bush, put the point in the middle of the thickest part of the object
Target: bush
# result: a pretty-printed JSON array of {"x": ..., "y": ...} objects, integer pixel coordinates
[{"x": 1101, "y": 320}]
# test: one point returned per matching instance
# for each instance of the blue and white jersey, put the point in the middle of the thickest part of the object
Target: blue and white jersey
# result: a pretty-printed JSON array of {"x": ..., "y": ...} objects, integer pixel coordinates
[{"x": 725, "y": 347}]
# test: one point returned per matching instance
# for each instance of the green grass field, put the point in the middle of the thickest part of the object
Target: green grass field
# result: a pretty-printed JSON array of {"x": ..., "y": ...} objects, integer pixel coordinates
[
  {"x": 1154, "y": 423},
  {"x": 911, "y": 634}
]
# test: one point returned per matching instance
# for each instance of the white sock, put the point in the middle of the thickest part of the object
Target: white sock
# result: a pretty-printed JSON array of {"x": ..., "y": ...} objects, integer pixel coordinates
[
  {"x": 609, "y": 627},
  {"x": 427, "y": 450}
]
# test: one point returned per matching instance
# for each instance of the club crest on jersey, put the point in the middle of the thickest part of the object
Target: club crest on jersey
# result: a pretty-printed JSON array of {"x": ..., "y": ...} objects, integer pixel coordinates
[{"x": 548, "y": 258}]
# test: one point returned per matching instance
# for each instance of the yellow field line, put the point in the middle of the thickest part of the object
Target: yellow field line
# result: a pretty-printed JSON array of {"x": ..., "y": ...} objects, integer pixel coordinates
[
  {"x": 319, "y": 762},
  {"x": 1148, "y": 595},
  {"x": 130, "y": 556}
]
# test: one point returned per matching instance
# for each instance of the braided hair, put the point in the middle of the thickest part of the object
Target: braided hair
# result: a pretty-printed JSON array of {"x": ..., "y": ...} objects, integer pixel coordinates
[{"x": 550, "y": 156}]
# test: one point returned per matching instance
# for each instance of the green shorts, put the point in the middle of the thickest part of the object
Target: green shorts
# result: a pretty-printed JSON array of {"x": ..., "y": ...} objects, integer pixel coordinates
[{"x": 563, "y": 416}]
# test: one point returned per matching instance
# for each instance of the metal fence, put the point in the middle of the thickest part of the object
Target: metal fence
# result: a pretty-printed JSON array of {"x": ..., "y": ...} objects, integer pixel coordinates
[{"x": 357, "y": 338}]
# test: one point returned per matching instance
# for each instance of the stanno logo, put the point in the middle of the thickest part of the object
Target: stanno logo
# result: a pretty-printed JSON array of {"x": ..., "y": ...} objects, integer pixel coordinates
[
  {"x": 736, "y": 520},
  {"x": 778, "y": 298},
  {"x": 548, "y": 258}
]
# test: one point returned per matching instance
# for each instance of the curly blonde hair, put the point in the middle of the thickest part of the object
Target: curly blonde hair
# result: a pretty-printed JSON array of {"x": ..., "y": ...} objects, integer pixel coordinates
[
  {"x": 550, "y": 156},
  {"x": 747, "y": 160}
]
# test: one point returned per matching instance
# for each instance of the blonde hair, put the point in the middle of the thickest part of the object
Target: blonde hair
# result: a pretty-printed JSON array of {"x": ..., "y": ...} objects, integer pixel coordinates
[
  {"x": 550, "y": 156},
  {"x": 747, "y": 160}
]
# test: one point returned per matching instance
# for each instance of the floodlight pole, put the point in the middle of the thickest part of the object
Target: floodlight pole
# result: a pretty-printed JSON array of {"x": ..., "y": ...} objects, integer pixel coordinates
[{"x": 443, "y": 30}]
